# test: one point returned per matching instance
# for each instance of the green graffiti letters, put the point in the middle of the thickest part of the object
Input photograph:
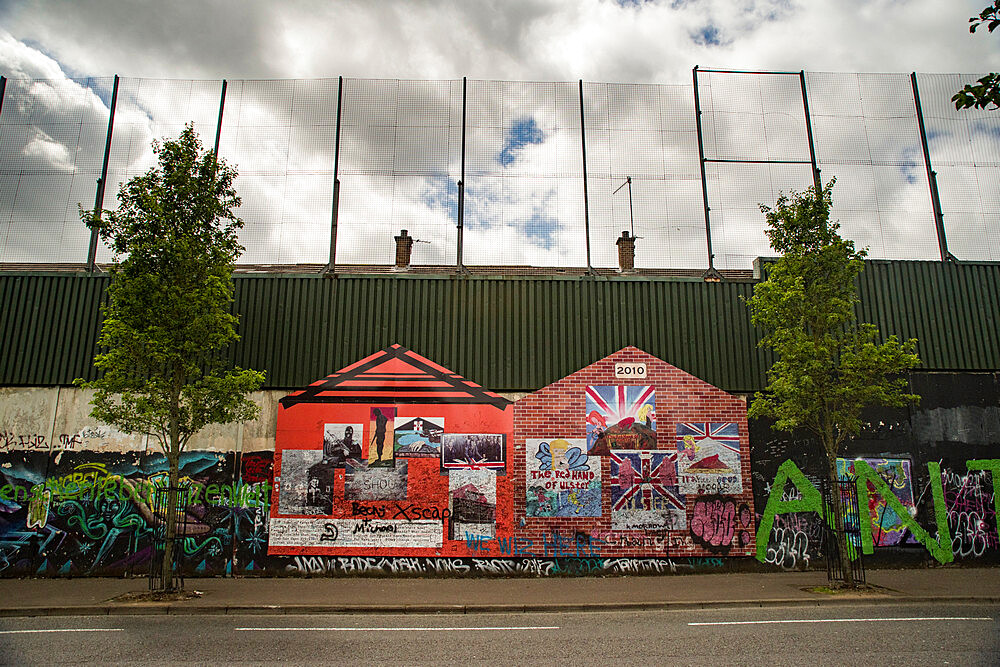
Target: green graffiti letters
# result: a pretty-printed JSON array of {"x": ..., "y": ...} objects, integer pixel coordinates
[{"x": 810, "y": 500}]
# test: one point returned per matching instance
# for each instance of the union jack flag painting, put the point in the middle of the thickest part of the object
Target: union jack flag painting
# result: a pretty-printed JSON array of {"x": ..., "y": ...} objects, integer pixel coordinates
[
  {"x": 644, "y": 492},
  {"x": 708, "y": 457},
  {"x": 621, "y": 416}
]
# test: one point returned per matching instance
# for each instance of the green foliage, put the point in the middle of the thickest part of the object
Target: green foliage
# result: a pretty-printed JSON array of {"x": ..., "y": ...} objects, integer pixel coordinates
[
  {"x": 986, "y": 91},
  {"x": 829, "y": 368},
  {"x": 167, "y": 319}
]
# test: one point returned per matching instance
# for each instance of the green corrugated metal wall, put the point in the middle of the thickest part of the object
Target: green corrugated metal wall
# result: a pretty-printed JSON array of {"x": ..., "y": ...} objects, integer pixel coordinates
[{"x": 508, "y": 334}]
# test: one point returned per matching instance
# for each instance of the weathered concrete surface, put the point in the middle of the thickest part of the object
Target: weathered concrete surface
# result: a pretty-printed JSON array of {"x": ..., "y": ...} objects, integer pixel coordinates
[{"x": 55, "y": 418}]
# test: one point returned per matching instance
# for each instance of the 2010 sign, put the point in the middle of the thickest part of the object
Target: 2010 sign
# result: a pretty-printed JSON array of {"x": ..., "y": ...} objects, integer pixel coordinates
[{"x": 630, "y": 371}]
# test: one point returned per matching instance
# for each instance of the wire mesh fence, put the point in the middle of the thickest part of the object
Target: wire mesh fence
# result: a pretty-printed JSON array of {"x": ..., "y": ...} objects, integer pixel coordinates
[{"x": 551, "y": 174}]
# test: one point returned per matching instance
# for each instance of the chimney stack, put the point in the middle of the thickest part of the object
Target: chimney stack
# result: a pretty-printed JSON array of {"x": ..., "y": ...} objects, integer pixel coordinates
[
  {"x": 626, "y": 252},
  {"x": 404, "y": 245}
]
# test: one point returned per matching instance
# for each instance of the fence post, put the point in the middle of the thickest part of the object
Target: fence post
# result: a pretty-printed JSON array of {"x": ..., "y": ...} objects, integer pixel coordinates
[
  {"x": 809, "y": 134},
  {"x": 459, "y": 266},
  {"x": 711, "y": 273},
  {"x": 218, "y": 125},
  {"x": 3, "y": 89},
  {"x": 331, "y": 267},
  {"x": 101, "y": 183},
  {"x": 931, "y": 176},
  {"x": 586, "y": 202}
]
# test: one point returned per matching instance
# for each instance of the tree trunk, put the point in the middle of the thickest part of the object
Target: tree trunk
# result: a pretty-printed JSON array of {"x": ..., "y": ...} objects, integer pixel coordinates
[
  {"x": 173, "y": 477},
  {"x": 843, "y": 548}
]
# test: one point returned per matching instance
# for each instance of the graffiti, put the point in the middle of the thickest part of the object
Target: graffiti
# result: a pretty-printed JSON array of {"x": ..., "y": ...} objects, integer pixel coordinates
[
  {"x": 90, "y": 513},
  {"x": 888, "y": 526},
  {"x": 648, "y": 540},
  {"x": 659, "y": 565},
  {"x": 794, "y": 540},
  {"x": 10, "y": 441},
  {"x": 787, "y": 549},
  {"x": 492, "y": 567},
  {"x": 554, "y": 544},
  {"x": 971, "y": 513},
  {"x": 975, "y": 530},
  {"x": 718, "y": 524}
]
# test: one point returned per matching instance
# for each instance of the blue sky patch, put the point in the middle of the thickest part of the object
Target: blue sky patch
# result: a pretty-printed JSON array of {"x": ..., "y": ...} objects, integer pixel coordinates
[
  {"x": 541, "y": 230},
  {"x": 709, "y": 35},
  {"x": 524, "y": 131}
]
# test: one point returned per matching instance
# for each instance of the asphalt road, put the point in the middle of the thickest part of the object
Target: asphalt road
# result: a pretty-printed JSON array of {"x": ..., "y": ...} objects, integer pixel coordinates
[{"x": 956, "y": 634}]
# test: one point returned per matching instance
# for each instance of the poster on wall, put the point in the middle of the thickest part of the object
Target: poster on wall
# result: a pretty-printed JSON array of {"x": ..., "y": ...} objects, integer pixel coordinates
[
  {"x": 370, "y": 533},
  {"x": 381, "y": 448},
  {"x": 561, "y": 480},
  {"x": 644, "y": 493},
  {"x": 620, "y": 417},
  {"x": 472, "y": 451},
  {"x": 418, "y": 437},
  {"x": 472, "y": 499},
  {"x": 708, "y": 458},
  {"x": 342, "y": 442},
  {"x": 887, "y": 527},
  {"x": 306, "y": 483},
  {"x": 364, "y": 482}
]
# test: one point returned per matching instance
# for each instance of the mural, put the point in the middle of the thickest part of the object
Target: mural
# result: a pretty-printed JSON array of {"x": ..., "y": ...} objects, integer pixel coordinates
[
  {"x": 887, "y": 527},
  {"x": 89, "y": 513},
  {"x": 644, "y": 493},
  {"x": 560, "y": 479},
  {"x": 622, "y": 416},
  {"x": 379, "y": 454},
  {"x": 431, "y": 478},
  {"x": 708, "y": 458},
  {"x": 418, "y": 437},
  {"x": 472, "y": 451}
]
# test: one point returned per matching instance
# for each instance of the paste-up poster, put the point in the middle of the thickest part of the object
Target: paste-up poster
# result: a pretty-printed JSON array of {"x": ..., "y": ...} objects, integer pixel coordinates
[
  {"x": 380, "y": 447},
  {"x": 561, "y": 479},
  {"x": 620, "y": 417},
  {"x": 472, "y": 499},
  {"x": 644, "y": 493},
  {"x": 418, "y": 437},
  {"x": 708, "y": 458}
]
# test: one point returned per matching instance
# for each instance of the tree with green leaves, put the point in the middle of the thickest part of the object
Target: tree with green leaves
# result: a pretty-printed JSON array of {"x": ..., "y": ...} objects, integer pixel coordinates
[
  {"x": 985, "y": 93},
  {"x": 167, "y": 320},
  {"x": 829, "y": 368}
]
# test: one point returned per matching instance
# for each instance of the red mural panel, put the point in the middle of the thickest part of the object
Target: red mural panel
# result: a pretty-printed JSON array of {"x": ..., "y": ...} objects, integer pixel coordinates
[{"x": 393, "y": 455}]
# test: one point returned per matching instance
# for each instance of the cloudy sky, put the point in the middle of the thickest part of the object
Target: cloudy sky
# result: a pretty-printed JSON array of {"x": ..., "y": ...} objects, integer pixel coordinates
[{"x": 399, "y": 161}]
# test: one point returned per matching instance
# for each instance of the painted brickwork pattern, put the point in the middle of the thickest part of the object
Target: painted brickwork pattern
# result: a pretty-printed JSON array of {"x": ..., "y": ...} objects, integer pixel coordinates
[{"x": 714, "y": 523}]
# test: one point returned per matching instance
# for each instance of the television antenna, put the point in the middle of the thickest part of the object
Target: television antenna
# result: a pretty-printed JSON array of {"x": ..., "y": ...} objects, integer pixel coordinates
[{"x": 631, "y": 219}]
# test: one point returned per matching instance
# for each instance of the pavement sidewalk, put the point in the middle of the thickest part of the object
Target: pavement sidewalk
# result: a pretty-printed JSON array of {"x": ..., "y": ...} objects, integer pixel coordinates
[{"x": 38, "y": 597}]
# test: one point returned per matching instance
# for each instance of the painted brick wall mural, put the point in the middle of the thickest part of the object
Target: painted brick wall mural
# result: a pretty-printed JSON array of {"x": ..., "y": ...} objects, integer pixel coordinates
[{"x": 632, "y": 458}]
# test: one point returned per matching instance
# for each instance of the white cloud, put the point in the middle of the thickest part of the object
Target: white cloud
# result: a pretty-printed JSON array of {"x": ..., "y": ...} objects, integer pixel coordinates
[{"x": 399, "y": 161}]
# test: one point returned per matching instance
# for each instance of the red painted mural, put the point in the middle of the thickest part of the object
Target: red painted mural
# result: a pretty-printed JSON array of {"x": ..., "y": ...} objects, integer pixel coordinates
[{"x": 394, "y": 455}]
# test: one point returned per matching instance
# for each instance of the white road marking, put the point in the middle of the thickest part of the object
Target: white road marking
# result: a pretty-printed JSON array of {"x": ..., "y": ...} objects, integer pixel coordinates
[
  {"x": 851, "y": 620},
  {"x": 30, "y": 632},
  {"x": 425, "y": 629}
]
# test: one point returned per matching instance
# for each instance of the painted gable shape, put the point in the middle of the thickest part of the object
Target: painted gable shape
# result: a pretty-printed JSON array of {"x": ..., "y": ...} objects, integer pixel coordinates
[
  {"x": 602, "y": 371},
  {"x": 394, "y": 375}
]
